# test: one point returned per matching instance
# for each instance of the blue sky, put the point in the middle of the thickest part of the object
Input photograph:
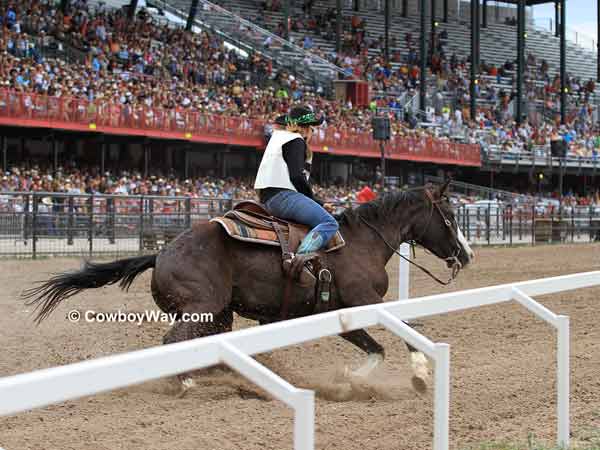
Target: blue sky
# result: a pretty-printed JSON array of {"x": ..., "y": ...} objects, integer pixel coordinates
[{"x": 581, "y": 15}]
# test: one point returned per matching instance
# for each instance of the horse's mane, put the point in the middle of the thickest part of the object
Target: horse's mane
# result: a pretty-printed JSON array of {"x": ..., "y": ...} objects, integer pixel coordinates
[{"x": 382, "y": 207}]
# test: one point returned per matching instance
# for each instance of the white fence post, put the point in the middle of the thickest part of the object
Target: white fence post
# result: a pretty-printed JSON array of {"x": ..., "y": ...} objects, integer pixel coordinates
[
  {"x": 304, "y": 420},
  {"x": 301, "y": 400},
  {"x": 404, "y": 273},
  {"x": 440, "y": 353},
  {"x": 441, "y": 412},
  {"x": 561, "y": 323},
  {"x": 562, "y": 382}
]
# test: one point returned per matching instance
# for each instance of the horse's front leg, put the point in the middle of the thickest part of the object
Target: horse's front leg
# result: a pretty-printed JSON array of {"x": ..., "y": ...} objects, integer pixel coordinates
[
  {"x": 365, "y": 342},
  {"x": 420, "y": 367},
  {"x": 355, "y": 295}
]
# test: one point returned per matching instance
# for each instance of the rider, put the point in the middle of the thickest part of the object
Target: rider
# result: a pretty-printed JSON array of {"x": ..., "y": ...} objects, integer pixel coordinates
[{"x": 283, "y": 185}]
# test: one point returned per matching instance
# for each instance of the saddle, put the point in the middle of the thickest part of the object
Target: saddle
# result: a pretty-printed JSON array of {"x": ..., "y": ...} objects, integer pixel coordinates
[{"x": 249, "y": 221}]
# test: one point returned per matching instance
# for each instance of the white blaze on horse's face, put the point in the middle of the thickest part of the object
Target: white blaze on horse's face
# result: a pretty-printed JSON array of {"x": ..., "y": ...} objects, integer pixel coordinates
[{"x": 463, "y": 242}]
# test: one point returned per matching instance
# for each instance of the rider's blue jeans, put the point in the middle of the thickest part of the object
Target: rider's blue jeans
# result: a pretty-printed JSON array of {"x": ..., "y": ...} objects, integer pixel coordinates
[{"x": 295, "y": 207}]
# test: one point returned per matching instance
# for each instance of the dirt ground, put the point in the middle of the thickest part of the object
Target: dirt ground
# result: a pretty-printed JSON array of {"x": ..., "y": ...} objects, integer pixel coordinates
[{"x": 503, "y": 371}]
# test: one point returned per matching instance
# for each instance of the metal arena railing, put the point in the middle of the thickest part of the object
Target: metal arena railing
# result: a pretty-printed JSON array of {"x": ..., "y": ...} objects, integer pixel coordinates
[
  {"x": 53, "y": 224},
  {"x": 43, "y": 224},
  {"x": 495, "y": 223}
]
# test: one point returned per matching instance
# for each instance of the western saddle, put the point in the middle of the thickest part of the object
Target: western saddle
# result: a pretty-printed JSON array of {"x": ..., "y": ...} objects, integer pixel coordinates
[{"x": 249, "y": 221}]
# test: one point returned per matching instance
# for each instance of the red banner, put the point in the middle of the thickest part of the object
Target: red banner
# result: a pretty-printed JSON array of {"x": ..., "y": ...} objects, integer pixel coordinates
[{"x": 30, "y": 110}]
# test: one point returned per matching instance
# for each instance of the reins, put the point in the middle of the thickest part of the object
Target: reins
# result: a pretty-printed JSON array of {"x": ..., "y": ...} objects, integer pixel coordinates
[
  {"x": 424, "y": 269},
  {"x": 455, "y": 267}
]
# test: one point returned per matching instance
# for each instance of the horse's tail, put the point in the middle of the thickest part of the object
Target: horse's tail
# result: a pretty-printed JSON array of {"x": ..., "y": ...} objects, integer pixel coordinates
[{"x": 49, "y": 294}]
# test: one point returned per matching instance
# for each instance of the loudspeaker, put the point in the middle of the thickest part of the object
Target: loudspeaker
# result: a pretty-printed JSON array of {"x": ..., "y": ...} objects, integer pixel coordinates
[
  {"x": 381, "y": 128},
  {"x": 558, "y": 148}
]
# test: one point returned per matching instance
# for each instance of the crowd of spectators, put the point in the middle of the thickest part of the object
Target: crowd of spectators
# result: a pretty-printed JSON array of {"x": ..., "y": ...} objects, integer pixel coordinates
[
  {"x": 139, "y": 61},
  {"x": 125, "y": 183},
  {"x": 130, "y": 183},
  {"x": 451, "y": 97}
]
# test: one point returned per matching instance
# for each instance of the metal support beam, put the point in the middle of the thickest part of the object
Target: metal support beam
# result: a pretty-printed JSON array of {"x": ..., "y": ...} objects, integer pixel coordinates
[
  {"x": 186, "y": 170},
  {"x": 404, "y": 8},
  {"x": 433, "y": 27},
  {"x": 478, "y": 31},
  {"x": 598, "y": 40},
  {"x": 54, "y": 148},
  {"x": 561, "y": 176},
  {"x": 563, "y": 62},
  {"x": 382, "y": 148},
  {"x": 103, "y": 159},
  {"x": 146, "y": 159},
  {"x": 286, "y": 19},
  {"x": 338, "y": 26},
  {"x": 423, "y": 57},
  {"x": 473, "y": 84},
  {"x": 556, "y": 18},
  {"x": 520, "y": 58},
  {"x": 445, "y": 11},
  {"x": 192, "y": 15},
  {"x": 132, "y": 7},
  {"x": 484, "y": 21},
  {"x": 5, "y": 153},
  {"x": 387, "y": 13}
]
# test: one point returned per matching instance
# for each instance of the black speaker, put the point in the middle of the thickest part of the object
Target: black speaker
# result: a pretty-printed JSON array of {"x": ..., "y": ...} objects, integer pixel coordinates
[
  {"x": 381, "y": 128},
  {"x": 558, "y": 148}
]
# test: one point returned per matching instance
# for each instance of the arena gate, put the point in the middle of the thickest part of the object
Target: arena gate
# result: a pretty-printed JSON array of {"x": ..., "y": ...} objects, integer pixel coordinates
[{"x": 40, "y": 388}]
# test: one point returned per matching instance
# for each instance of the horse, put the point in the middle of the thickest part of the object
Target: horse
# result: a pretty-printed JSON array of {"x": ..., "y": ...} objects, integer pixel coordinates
[{"x": 203, "y": 270}]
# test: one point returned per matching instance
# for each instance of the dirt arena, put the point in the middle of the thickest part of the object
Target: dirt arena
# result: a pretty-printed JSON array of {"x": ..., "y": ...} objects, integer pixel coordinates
[{"x": 503, "y": 371}]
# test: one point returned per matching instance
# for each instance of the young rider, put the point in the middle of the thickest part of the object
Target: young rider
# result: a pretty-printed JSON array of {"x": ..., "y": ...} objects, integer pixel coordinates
[{"x": 283, "y": 185}]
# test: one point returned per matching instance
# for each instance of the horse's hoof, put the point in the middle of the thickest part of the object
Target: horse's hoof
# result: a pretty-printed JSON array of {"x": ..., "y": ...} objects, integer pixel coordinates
[
  {"x": 341, "y": 374},
  {"x": 186, "y": 385},
  {"x": 419, "y": 384},
  {"x": 373, "y": 361}
]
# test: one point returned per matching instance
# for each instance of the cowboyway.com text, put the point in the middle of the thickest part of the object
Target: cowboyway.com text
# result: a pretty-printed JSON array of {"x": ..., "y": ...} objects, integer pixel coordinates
[{"x": 138, "y": 318}]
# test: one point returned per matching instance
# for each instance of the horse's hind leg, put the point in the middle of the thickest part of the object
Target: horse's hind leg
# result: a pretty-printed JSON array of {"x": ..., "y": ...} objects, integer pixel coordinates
[
  {"x": 365, "y": 342},
  {"x": 183, "y": 331}
]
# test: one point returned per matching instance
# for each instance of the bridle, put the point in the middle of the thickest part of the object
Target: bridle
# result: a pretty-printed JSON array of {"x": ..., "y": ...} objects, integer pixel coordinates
[{"x": 455, "y": 262}]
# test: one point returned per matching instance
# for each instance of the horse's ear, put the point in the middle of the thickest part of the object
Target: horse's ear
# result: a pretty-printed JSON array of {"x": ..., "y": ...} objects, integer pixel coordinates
[{"x": 443, "y": 188}]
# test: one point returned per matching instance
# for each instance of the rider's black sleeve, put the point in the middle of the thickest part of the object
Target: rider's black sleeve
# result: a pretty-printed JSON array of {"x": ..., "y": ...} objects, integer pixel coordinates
[{"x": 294, "y": 154}]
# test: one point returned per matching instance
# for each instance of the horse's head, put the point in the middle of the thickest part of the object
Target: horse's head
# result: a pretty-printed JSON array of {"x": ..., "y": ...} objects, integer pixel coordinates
[{"x": 437, "y": 229}]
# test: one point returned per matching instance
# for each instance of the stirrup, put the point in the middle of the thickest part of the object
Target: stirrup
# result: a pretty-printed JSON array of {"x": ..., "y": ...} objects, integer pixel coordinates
[{"x": 305, "y": 278}]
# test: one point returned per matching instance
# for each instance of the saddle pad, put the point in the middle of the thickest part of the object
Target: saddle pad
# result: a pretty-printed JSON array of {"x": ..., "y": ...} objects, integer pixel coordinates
[
  {"x": 250, "y": 220},
  {"x": 243, "y": 232}
]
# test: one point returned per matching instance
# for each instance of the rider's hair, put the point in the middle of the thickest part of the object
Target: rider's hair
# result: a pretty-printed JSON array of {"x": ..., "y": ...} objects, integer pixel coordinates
[{"x": 295, "y": 128}]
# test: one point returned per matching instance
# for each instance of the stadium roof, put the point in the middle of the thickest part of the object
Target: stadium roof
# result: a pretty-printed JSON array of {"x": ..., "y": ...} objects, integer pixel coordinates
[{"x": 527, "y": 2}]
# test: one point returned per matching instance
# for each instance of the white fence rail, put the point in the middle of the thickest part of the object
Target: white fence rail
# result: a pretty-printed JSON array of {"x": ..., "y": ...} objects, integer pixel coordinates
[{"x": 44, "y": 387}]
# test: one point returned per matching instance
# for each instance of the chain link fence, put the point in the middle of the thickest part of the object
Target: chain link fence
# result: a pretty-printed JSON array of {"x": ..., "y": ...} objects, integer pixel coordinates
[{"x": 36, "y": 225}]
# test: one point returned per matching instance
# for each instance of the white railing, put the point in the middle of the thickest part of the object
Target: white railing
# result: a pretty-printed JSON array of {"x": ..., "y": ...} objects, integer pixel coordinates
[
  {"x": 44, "y": 387},
  {"x": 577, "y": 37}
]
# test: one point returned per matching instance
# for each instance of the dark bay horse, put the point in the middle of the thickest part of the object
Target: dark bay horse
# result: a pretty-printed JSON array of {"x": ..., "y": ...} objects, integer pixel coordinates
[{"x": 205, "y": 271}]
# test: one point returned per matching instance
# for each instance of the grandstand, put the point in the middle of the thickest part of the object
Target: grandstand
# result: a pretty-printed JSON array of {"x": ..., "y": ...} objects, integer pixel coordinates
[{"x": 78, "y": 91}]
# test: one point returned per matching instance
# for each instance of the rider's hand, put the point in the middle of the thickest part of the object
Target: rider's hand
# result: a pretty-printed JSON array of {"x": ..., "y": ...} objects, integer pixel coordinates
[{"x": 329, "y": 207}]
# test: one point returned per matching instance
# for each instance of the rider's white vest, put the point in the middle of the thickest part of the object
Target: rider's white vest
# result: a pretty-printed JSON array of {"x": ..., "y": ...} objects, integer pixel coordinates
[{"x": 273, "y": 171}]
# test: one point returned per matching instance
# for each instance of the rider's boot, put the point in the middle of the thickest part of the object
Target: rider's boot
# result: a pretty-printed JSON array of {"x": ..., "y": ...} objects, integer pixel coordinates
[{"x": 301, "y": 265}]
